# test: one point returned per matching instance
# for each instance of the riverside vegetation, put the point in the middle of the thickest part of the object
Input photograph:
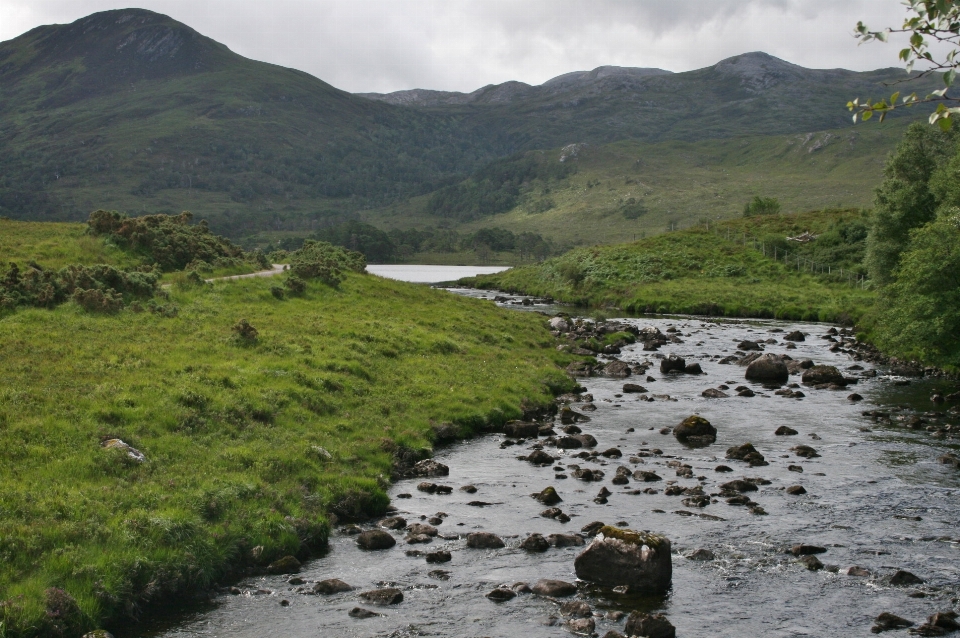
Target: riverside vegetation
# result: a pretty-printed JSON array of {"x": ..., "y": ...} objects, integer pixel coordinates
[{"x": 150, "y": 454}]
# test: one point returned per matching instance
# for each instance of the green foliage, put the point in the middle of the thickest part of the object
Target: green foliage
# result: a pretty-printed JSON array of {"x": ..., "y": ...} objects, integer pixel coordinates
[
  {"x": 168, "y": 240},
  {"x": 633, "y": 209},
  {"x": 99, "y": 287},
  {"x": 762, "y": 206},
  {"x": 326, "y": 262},
  {"x": 920, "y": 309},
  {"x": 904, "y": 200},
  {"x": 697, "y": 271},
  {"x": 232, "y": 478},
  {"x": 496, "y": 187}
]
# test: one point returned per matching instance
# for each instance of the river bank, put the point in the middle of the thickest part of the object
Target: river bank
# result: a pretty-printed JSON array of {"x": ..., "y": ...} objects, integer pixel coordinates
[{"x": 876, "y": 498}]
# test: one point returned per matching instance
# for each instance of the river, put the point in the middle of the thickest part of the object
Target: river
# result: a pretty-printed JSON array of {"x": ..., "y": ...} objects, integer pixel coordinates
[{"x": 876, "y": 498}]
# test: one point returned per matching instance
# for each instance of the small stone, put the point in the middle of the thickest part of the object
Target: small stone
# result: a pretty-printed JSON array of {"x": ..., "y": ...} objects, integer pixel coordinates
[
  {"x": 796, "y": 490},
  {"x": 285, "y": 565},
  {"x": 783, "y": 430},
  {"x": 903, "y": 578},
  {"x": 375, "y": 539},
  {"x": 535, "y": 543},
  {"x": 701, "y": 554},
  {"x": 548, "y": 496},
  {"x": 469, "y": 489},
  {"x": 394, "y": 522},
  {"x": 439, "y": 556},
  {"x": 723, "y": 468},
  {"x": 649, "y": 625},
  {"x": 887, "y": 621},
  {"x": 580, "y": 626},
  {"x": 812, "y": 563},
  {"x": 856, "y": 570},
  {"x": 576, "y": 609},
  {"x": 795, "y": 468},
  {"x": 806, "y": 550}
]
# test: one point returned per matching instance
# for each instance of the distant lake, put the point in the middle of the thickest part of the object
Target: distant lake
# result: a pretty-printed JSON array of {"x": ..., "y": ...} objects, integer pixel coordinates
[{"x": 421, "y": 274}]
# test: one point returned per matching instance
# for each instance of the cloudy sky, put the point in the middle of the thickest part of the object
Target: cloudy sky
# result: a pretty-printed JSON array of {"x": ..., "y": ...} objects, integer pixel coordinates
[{"x": 460, "y": 45}]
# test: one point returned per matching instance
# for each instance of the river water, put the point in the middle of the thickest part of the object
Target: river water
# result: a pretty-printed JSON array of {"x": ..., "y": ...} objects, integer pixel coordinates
[{"x": 876, "y": 498}]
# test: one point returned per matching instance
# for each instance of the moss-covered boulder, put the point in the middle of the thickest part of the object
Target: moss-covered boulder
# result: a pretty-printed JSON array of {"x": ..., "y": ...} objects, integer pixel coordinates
[{"x": 618, "y": 557}]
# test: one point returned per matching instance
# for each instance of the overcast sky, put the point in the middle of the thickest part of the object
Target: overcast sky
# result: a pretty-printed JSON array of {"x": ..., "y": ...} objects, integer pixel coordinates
[{"x": 459, "y": 45}]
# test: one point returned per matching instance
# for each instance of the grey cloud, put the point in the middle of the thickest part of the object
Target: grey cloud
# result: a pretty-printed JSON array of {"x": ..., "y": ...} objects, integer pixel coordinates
[{"x": 386, "y": 45}]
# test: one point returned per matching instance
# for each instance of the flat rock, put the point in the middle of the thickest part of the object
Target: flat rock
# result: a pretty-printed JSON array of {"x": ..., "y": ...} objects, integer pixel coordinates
[
  {"x": 360, "y": 612},
  {"x": 375, "y": 539}
]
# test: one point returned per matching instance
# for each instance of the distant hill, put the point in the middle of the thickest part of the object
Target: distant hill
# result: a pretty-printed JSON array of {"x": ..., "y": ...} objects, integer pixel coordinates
[{"x": 134, "y": 111}]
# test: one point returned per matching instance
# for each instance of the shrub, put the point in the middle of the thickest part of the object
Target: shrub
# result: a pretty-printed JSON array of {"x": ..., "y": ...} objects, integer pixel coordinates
[
  {"x": 245, "y": 332},
  {"x": 98, "y": 300},
  {"x": 295, "y": 285},
  {"x": 46, "y": 288},
  {"x": 277, "y": 291},
  {"x": 762, "y": 206},
  {"x": 326, "y": 262}
]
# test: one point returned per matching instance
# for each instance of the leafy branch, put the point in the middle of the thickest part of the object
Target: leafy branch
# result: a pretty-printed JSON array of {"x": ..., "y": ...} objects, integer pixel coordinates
[{"x": 931, "y": 22}]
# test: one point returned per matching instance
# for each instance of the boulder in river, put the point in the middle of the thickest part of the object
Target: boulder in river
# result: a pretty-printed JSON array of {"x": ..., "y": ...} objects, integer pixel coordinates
[
  {"x": 796, "y": 490},
  {"x": 521, "y": 429},
  {"x": 568, "y": 416},
  {"x": 360, "y": 612},
  {"x": 819, "y": 375},
  {"x": 673, "y": 363},
  {"x": 746, "y": 453},
  {"x": 768, "y": 369},
  {"x": 616, "y": 369},
  {"x": 331, "y": 586},
  {"x": 501, "y": 595},
  {"x": 484, "y": 540},
  {"x": 565, "y": 540},
  {"x": 554, "y": 588},
  {"x": 796, "y": 335},
  {"x": 804, "y": 451},
  {"x": 693, "y": 368},
  {"x": 538, "y": 457},
  {"x": 429, "y": 467},
  {"x": 581, "y": 626},
  {"x": 548, "y": 496},
  {"x": 535, "y": 543},
  {"x": 393, "y": 522},
  {"x": 748, "y": 345},
  {"x": 713, "y": 393},
  {"x": 285, "y": 565},
  {"x": 375, "y": 539},
  {"x": 784, "y": 430},
  {"x": 649, "y": 625},
  {"x": 622, "y": 557},
  {"x": 903, "y": 578},
  {"x": 695, "y": 430},
  {"x": 633, "y": 388},
  {"x": 439, "y": 556},
  {"x": 887, "y": 621}
]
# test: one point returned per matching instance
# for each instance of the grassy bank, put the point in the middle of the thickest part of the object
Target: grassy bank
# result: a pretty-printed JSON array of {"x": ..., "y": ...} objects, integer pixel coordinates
[
  {"x": 700, "y": 271},
  {"x": 56, "y": 245},
  {"x": 250, "y": 445}
]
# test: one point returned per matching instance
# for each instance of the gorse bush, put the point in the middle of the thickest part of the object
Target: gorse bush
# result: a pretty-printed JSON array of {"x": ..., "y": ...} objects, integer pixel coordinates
[
  {"x": 101, "y": 287},
  {"x": 761, "y": 206},
  {"x": 168, "y": 240},
  {"x": 326, "y": 262}
]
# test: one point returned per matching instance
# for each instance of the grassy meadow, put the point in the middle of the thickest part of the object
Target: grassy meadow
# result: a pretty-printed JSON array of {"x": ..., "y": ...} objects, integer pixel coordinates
[
  {"x": 251, "y": 446},
  {"x": 701, "y": 271}
]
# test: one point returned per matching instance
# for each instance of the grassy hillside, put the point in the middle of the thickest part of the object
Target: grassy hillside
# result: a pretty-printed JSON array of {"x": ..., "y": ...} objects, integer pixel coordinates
[
  {"x": 249, "y": 445},
  {"x": 701, "y": 271},
  {"x": 627, "y": 190},
  {"x": 54, "y": 245}
]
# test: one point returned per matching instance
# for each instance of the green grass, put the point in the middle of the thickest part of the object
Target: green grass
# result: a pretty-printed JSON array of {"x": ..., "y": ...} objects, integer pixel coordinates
[
  {"x": 231, "y": 432},
  {"x": 694, "y": 271},
  {"x": 55, "y": 245}
]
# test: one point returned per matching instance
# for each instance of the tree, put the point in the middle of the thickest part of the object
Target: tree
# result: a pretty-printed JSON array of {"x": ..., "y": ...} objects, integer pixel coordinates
[
  {"x": 930, "y": 22},
  {"x": 762, "y": 206}
]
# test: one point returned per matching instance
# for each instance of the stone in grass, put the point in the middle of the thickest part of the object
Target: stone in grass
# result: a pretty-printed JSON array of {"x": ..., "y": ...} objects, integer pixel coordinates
[
  {"x": 649, "y": 625},
  {"x": 374, "y": 539},
  {"x": 555, "y": 588},
  {"x": 383, "y": 597},
  {"x": 623, "y": 557},
  {"x": 484, "y": 540},
  {"x": 285, "y": 565},
  {"x": 331, "y": 586}
]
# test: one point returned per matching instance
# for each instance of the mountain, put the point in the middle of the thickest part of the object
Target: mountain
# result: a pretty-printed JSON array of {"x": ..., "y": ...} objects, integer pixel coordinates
[{"x": 132, "y": 110}]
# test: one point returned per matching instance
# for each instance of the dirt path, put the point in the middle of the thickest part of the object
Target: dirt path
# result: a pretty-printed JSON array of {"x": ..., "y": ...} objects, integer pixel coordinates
[{"x": 276, "y": 270}]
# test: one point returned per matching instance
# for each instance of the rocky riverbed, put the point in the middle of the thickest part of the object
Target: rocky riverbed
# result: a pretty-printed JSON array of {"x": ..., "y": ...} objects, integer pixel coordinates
[{"x": 799, "y": 509}]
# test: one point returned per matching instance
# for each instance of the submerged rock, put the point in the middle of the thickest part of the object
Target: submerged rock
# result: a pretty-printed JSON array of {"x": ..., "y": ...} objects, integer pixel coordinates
[
  {"x": 501, "y": 594},
  {"x": 535, "y": 543},
  {"x": 383, "y": 597},
  {"x": 623, "y": 557},
  {"x": 650, "y": 626}
]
